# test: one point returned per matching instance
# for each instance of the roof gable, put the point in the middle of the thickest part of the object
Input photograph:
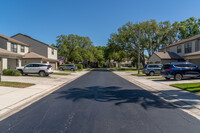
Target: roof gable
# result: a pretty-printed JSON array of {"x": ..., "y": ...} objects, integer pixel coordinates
[{"x": 34, "y": 40}]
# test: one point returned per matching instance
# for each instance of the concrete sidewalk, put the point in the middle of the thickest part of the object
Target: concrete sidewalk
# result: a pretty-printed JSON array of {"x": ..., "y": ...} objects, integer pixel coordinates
[
  {"x": 189, "y": 102},
  {"x": 15, "y": 99}
]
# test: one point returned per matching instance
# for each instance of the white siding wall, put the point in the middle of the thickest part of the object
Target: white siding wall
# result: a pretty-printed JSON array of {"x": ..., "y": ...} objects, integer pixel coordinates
[
  {"x": 174, "y": 48},
  {"x": 26, "y": 49},
  {"x": 50, "y": 53}
]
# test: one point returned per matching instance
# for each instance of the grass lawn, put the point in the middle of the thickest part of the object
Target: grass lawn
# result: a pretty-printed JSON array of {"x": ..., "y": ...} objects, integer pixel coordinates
[
  {"x": 15, "y": 84},
  {"x": 122, "y": 69},
  {"x": 192, "y": 87},
  {"x": 89, "y": 69},
  {"x": 61, "y": 73}
]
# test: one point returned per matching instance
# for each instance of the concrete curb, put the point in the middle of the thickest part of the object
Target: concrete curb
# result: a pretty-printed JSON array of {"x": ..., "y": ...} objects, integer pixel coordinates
[
  {"x": 10, "y": 110},
  {"x": 192, "y": 110}
]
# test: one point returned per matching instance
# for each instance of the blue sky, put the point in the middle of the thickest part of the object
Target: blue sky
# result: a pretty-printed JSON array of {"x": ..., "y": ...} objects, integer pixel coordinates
[{"x": 97, "y": 19}]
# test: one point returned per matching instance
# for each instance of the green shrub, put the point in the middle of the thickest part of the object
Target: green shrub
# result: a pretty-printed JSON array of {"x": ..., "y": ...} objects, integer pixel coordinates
[
  {"x": 11, "y": 72},
  {"x": 80, "y": 66}
]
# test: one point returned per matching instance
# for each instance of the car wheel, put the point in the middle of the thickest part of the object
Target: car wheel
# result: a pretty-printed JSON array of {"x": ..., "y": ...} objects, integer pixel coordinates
[
  {"x": 151, "y": 73},
  {"x": 61, "y": 69},
  {"x": 47, "y": 74},
  {"x": 167, "y": 78},
  {"x": 42, "y": 73},
  {"x": 178, "y": 77}
]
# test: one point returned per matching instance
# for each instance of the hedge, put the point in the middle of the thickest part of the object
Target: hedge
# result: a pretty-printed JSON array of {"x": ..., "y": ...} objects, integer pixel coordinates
[
  {"x": 79, "y": 66},
  {"x": 11, "y": 72}
]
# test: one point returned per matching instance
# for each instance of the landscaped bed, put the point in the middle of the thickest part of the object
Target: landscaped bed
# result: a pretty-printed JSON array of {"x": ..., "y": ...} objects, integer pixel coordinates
[
  {"x": 15, "y": 84},
  {"x": 61, "y": 73},
  {"x": 192, "y": 87}
]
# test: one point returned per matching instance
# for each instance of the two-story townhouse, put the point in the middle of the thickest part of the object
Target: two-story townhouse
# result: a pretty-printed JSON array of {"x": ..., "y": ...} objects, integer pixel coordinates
[
  {"x": 188, "y": 48},
  {"x": 39, "y": 51},
  {"x": 11, "y": 52}
]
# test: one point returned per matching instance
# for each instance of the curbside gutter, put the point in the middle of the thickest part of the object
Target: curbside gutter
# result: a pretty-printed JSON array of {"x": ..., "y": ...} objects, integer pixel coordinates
[
  {"x": 174, "y": 101},
  {"x": 10, "y": 110}
]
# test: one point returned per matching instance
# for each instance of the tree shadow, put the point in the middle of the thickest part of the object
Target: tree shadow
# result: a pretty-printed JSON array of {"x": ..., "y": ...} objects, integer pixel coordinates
[{"x": 116, "y": 95}]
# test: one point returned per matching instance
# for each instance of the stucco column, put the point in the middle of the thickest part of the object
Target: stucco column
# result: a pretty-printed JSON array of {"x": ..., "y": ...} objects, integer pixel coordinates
[
  {"x": 47, "y": 62},
  {"x": 19, "y": 62},
  {"x": 4, "y": 63}
]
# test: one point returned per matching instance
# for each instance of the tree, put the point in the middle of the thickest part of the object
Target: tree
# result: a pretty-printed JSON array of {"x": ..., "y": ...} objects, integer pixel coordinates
[{"x": 189, "y": 27}]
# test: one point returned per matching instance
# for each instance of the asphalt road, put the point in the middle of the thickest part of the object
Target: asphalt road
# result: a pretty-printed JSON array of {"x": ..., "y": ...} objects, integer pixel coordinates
[{"x": 100, "y": 102}]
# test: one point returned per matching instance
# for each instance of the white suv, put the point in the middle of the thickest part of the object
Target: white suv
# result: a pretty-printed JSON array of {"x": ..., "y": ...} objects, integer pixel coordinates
[{"x": 36, "y": 68}]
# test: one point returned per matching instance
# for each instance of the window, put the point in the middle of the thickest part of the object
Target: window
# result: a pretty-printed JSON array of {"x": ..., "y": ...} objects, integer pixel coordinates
[
  {"x": 22, "y": 49},
  {"x": 178, "y": 49},
  {"x": 52, "y": 51},
  {"x": 14, "y": 47},
  {"x": 29, "y": 65},
  {"x": 196, "y": 45},
  {"x": 188, "y": 47}
]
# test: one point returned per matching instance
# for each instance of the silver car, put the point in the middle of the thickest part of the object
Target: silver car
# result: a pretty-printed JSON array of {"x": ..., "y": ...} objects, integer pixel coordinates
[
  {"x": 152, "y": 69},
  {"x": 36, "y": 68},
  {"x": 68, "y": 67}
]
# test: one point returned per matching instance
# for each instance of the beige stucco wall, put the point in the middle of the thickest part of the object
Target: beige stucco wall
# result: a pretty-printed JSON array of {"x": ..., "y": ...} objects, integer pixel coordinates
[
  {"x": 50, "y": 53},
  {"x": 154, "y": 58}
]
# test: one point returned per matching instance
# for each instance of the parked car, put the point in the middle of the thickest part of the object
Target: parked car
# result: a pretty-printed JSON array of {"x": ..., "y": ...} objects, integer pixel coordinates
[
  {"x": 179, "y": 71},
  {"x": 152, "y": 69},
  {"x": 68, "y": 67},
  {"x": 36, "y": 68}
]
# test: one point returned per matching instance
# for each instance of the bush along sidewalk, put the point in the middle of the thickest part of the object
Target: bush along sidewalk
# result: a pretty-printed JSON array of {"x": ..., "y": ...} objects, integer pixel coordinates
[{"x": 11, "y": 72}]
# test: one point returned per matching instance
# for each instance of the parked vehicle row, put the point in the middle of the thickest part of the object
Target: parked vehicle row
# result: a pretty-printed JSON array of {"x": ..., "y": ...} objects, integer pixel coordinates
[
  {"x": 36, "y": 68},
  {"x": 177, "y": 71}
]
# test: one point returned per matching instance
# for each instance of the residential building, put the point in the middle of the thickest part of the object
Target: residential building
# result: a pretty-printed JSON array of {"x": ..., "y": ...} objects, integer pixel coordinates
[
  {"x": 188, "y": 48},
  {"x": 39, "y": 51},
  {"x": 164, "y": 57},
  {"x": 11, "y": 52}
]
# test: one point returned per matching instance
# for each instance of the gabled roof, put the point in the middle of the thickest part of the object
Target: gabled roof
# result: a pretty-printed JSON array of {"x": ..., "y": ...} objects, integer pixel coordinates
[
  {"x": 184, "y": 41},
  {"x": 33, "y": 39},
  {"x": 192, "y": 54},
  {"x": 13, "y": 40},
  {"x": 168, "y": 55},
  {"x": 32, "y": 55},
  {"x": 9, "y": 53}
]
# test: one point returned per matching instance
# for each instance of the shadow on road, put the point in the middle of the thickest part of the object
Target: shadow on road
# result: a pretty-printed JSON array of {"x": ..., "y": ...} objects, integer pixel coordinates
[{"x": 116, "y": 95}]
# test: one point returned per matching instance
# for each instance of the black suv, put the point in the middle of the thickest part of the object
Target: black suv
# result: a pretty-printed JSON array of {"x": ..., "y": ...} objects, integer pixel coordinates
[{"x": 180, "y": 70}]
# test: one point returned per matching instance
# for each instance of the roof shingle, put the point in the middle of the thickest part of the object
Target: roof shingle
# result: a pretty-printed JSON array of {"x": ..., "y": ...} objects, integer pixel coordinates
[{"x": 168, "y": 55}]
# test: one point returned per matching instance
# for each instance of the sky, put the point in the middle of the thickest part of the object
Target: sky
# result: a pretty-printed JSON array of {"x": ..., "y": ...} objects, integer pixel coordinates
[{"x": 44, "y": 20}]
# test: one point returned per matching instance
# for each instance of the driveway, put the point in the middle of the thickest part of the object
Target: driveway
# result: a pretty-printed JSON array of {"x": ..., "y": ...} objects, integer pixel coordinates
[{"x": 101, "y": 102}]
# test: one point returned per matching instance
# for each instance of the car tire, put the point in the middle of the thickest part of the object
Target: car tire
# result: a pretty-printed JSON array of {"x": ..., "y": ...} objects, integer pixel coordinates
[
  {"x": 61, "y": 69},
  {"x": 151, "y": 73},
  {"x": 167, "y": 78},
  {"x": 42, "y": 73},
  {"x": 177, "y": 76},
  {"x": 147, "y": 74}
]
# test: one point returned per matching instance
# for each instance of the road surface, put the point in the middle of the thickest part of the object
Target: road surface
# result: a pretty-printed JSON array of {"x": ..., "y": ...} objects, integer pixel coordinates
[{"x": 100, "y": 102}]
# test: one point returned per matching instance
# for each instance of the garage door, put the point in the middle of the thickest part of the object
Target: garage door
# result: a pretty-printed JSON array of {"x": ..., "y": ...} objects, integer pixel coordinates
[
  {"x": 195, "y": 61},
  {"x": 53, "y": 64}
]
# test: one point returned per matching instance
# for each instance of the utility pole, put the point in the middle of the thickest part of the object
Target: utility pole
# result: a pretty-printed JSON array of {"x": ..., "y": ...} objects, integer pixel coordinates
[{"x": 139, "y": 52}]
